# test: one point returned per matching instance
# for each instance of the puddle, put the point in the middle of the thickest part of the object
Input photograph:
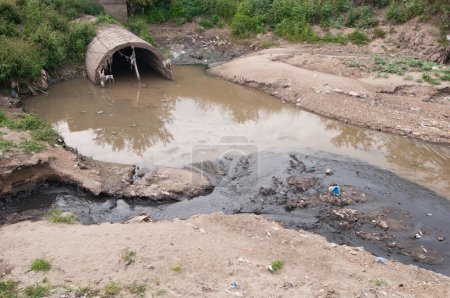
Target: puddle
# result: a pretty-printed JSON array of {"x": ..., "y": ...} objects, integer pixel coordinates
[{"x": 166, "y": 122}]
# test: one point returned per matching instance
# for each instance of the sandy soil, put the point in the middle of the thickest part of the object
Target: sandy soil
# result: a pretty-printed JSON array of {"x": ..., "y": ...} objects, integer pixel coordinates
[
  {"x": 326, "y": 86},
  {"x": 213, "y": 251}
]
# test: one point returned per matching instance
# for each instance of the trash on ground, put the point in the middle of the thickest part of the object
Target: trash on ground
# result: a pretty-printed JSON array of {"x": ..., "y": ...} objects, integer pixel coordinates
[
  {"x": 335, "y": 190},
  {"x": 381, "y": 260}
]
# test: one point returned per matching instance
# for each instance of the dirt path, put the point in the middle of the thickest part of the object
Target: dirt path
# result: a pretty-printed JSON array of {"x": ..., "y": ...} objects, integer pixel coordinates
[
  {"x": 391, "y": 105},
  {"x": 210, "y": 253}
]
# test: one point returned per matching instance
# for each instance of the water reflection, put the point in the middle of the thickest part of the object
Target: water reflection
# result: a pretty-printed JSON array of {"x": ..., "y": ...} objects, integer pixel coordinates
[
  {"x": 162, "y": 122},
  {"x": 428, "y": 163}
]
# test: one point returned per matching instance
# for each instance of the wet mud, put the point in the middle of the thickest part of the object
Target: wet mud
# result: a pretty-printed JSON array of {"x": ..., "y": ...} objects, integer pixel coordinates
[{"x": 387, "y": 215}]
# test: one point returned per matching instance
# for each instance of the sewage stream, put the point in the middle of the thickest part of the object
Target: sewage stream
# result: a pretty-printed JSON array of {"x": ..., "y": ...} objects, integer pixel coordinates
[{"x": 197, "y": 119}]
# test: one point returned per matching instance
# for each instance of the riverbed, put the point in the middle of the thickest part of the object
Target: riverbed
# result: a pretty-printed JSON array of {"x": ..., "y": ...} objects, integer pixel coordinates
[{"x": 262, "y": 155}]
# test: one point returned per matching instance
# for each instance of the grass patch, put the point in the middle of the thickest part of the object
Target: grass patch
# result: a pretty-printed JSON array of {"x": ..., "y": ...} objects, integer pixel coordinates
[
  {"x": 379, "y": 32},
  {"x": 379, "y": 282},
  {"x": 177, "y": 268},
  {"x": 265, "y": 44},
  {"x": 31, "y": 146},
  {"x": 160, "y": 292},
  {"x": 358, "y": 37},
  {"x": 6, "y": 145},
  {"x": 36, "y": 291},
  {"x": 128, "y": 256},
  {"x": 40, "y": 265},
  {"x": 55, "y": 215},
  {"x": 430, "y": 79},
  {"x": 137, "y": 289},
  {"x": 276, "y": 265},
  {"x": 408, "y": 78},
  {"x": 338, "y": 38},
  {"x": 8, "y": 289},
  {"x": 431, "y": 72},
  {"x": 111, "y": 289}
]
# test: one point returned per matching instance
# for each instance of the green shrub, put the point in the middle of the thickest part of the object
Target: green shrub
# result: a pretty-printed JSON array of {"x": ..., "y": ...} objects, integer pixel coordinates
[
  {"x": 52, "y": 46},
  {"x": 243, "y": 25},
  {"x": 19, "y": 60},
  {"x": 106, "y": 19},
  {"x": 8, "y": 28},
  {"x": 294, "y": 30},
  {"x": 358, "y": 37},
  {"x": 9, "y": 11},
  {"x": 396, "y": 13},
  {"x": 80, "y": 35},
  {"x": 138, "y": 26},
  {"x": 361, "y": 17}
]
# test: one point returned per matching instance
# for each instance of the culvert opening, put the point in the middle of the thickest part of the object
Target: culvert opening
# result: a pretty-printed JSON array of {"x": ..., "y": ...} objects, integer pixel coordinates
[
  {"x": 122, "y": 63},
  {"x": 115, "y": 50}
]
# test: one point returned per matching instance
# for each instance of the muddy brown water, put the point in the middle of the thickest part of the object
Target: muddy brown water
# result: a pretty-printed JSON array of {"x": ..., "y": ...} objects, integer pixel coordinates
[
  {"x": 165, "y": 122},
  {"x": 201, "y": 118}
]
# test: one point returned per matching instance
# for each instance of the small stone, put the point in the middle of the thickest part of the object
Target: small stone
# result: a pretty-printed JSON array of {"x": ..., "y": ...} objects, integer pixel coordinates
[
  {"x": 100, "y": 112},
  {"x": 440, "y": 238},
  {"x": 329, "y": 172}
]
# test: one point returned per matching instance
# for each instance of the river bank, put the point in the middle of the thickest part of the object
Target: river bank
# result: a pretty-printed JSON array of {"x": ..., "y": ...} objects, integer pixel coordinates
[{"x": 204, "y": 255}]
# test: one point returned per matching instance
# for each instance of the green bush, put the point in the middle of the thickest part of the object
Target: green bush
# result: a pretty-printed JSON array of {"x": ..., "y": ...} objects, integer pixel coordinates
[
  {"x": 106, "y": 19},
  {"x": 243, "y": 25},
  {"x": 397, "y": 13},
  {"x": 52, "y": 46},
  {"x": 358, "y": 37},
  {"x": 19, "y": 60},
  {"x": 9, "y": 11},
  {"x": 7, "y": 28},
  {"x": 294, "y": 30},
  {"x": 80, "y": 35},
  {"x": 138, "y": 26}
]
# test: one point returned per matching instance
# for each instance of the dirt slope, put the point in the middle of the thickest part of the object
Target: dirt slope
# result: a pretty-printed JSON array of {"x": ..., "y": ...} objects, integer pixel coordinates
[{"x": 308, "y": 80}]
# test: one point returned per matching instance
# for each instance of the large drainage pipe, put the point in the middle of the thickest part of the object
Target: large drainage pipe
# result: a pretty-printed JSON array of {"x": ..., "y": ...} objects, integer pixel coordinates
[{"x": 109, "y": 40}]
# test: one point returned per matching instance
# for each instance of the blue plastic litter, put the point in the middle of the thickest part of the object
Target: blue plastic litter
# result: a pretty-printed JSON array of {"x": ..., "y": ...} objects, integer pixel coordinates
[
  {"x": 335, "y": 190},
  {"x": 234, "y": 285},
  {"x": 381, "y": 260}
]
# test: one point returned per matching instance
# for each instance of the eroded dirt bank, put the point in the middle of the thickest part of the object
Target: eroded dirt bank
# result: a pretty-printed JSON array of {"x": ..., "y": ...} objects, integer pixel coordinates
[
  {"x": 203, "y": 256},
  {"x": 324, "y": 84},
  {"x": 20, "y": 171}
]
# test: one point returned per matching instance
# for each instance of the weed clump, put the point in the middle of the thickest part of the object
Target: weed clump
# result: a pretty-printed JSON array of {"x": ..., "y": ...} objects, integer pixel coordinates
[
  {"x": 9, "y": 289},
  {"x": 128, "y": 256},
  {"x": 55, "y": 215},
  {"x": 40, "y": 265},
  {"x": 358, "y": 37},
  {"x": 276, "y": 265},
  {"x": 111, "y": 289},
  {"x": 36, "y": 291}
]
